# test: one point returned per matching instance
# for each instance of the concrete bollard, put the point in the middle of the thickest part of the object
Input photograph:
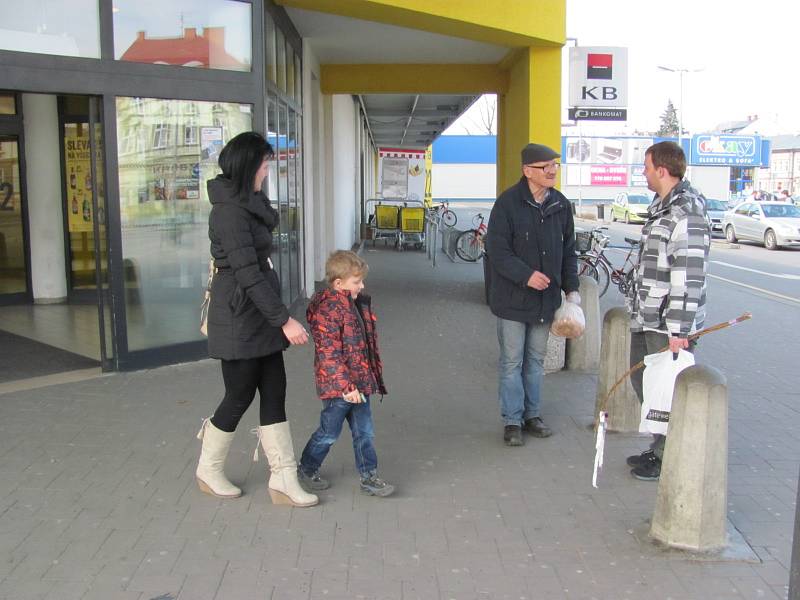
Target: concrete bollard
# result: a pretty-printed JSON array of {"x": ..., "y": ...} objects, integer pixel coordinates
[
  {"x": 691, "y": 503},
  {"x": 583, "y": 353},
  {"x": 623, "y": 408}
]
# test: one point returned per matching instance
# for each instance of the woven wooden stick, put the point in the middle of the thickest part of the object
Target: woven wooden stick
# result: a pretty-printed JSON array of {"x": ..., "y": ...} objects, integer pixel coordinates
[{"x": 694, "y": 336}]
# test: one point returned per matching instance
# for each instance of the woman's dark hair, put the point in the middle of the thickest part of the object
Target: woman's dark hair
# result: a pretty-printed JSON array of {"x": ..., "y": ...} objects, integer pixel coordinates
[{"x": 241, "y": 158}]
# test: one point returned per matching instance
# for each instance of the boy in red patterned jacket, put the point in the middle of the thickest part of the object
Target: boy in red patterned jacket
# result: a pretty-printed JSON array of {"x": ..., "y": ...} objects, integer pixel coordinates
[{"x": 347, "y": 368}]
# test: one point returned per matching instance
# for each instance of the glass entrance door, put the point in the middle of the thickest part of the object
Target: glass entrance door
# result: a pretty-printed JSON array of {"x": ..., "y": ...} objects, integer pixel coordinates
[
  {"x": 94, "y": 212},
  {"x": 13, "y": 270}
]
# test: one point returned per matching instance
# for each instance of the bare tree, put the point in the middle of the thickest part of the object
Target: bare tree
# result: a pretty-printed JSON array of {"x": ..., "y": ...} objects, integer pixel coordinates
[{"x": 485, "y": 121}]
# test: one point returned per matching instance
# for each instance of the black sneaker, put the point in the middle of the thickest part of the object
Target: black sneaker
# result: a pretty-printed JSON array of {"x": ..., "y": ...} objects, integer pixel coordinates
[
  {"x": 312, "y": 482},
  {"x": 640, "y": 459},
  {"x": 537, "y": 428},
  {"x": 375, "y": 486},
  {"x": 649, "y": 470},
  {"x": 512, "y": 435}
]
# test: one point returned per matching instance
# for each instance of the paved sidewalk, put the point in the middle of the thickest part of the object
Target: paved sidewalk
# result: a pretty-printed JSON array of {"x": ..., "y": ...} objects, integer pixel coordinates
[{"x": 98, "y": 499}]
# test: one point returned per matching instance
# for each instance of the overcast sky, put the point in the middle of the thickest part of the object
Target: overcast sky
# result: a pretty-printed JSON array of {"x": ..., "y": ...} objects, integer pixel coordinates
[{"x": 749, "y": 53}]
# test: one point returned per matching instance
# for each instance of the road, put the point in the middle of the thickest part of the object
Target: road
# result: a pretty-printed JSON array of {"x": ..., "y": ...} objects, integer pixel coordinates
[{"x": 742, "y": 278}]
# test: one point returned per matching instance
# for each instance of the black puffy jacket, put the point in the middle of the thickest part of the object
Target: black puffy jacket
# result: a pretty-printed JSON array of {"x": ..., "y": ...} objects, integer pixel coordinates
[
  {"x": 525, "y": 237},
  {"x": 246, "y": 311}
]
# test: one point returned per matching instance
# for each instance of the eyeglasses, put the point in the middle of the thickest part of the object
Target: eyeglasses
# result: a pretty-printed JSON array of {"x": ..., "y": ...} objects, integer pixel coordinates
[{"x": 551, "y": 166}]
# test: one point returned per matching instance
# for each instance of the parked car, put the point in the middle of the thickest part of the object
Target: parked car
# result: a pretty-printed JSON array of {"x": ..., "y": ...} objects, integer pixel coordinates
[
  {"x": 715, "y": 209},
  {"x": 774, "y": 224},
  {"x": 630, "y": 207}
]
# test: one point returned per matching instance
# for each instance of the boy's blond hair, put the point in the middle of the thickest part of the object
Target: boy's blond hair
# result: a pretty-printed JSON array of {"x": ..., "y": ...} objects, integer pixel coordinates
[{"x": 343, "y": 264}]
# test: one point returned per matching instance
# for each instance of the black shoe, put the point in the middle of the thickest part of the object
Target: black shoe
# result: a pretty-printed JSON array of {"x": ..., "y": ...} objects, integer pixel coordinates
[
  {"x": 649, "y": 471},
  {"x": 512, "y": 435},
  {"x": 640, "y": 459},
  {"x": 537, "y": 428}
]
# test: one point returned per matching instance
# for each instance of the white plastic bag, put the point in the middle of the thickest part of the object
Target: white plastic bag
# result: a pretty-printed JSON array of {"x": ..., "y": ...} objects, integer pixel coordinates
[
  {"x": 568, "y": 321},
  {"x": 660, "y": 373}
]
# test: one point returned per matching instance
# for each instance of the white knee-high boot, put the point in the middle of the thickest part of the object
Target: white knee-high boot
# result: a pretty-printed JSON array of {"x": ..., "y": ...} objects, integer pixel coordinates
[
  {"x": 210, "y": 468},
  {"x": 284, "y": 488}
]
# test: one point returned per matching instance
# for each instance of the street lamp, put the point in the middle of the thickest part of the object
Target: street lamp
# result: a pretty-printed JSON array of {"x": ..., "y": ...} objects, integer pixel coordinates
[{"x": 680, "y": 71}]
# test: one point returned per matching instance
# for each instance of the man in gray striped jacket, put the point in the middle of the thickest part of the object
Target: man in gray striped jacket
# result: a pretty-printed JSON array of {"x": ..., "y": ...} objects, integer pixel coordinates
[{"x": 668, "y": 296}]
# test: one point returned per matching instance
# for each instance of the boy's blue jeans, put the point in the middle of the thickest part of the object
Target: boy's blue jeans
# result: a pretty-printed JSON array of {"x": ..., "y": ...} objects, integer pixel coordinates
[
  {"x": 333, "y": 415},
  {"x": 523, "y": 347}
]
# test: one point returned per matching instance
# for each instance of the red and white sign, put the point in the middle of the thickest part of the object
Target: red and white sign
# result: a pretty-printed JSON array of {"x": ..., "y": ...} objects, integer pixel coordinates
[
  {"x": 400, "y": 153},
  {"x": 608, "y": 175}
]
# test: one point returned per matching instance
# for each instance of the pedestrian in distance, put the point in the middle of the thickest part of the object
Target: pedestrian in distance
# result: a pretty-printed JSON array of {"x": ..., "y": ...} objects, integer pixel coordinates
[
  {"x": 249, "y": 327},
  {"x": 531, "y": 249},
  {"x": 347, "y": 369},
  {"x": 667, "y": 301}
]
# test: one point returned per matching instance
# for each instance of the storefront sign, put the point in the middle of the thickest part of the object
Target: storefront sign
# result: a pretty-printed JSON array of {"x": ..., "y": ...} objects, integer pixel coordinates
[
  {"x": 598, "y": 114},
  {"x": 598, "y": 77},
  {"x": 602, "y": 175},
  {"x": 739, "y": 150}
]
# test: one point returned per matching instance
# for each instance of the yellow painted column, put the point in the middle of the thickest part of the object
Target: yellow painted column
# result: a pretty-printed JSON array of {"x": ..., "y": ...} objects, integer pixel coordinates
[{"x": 530, "y": 111}]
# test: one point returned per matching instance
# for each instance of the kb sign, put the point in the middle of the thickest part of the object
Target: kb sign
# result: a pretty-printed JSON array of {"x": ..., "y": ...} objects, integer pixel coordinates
[{"x": 598, "y": 77}]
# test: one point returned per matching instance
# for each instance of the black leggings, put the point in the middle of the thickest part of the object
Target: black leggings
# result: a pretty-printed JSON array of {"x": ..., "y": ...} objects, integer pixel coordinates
[{"x": 241, "y": 378}]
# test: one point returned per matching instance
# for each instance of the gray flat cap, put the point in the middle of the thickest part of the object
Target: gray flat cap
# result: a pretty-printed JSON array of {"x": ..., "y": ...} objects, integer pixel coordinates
[{"x": 533, "y": 153}]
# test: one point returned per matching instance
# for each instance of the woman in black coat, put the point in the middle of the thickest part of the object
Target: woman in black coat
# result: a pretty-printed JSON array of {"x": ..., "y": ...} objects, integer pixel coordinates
[{"x": 249, "y": 327}]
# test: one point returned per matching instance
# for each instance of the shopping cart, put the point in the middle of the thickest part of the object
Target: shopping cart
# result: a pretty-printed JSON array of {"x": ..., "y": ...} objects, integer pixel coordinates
[
  {"x": 412, "y": 225},
  {"x": 400, "y": 220}
]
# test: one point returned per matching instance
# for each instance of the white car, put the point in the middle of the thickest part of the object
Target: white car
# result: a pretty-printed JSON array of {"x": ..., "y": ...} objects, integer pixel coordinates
[{"x": 774, "y": 224}]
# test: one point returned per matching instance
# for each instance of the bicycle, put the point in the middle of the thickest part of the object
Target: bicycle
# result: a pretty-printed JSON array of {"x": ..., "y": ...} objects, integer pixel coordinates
[
  {"x": 447, "y": 216},
  {"x": 469, "y": 244},
  {"x": 593, "y": 262}
]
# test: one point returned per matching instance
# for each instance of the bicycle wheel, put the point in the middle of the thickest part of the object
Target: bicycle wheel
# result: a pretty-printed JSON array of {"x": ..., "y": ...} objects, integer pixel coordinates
[
  {"x": 449, "y": 218},
  {"x": 591, "y": 266},
  {"x": 468, "y": 246}
]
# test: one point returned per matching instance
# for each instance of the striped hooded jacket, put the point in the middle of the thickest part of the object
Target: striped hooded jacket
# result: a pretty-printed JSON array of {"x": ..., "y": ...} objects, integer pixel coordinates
[{"x": 669, "y": 287}]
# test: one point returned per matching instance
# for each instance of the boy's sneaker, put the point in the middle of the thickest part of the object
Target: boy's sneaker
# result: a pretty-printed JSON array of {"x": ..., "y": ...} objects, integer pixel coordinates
[
  {"x": 375, "y": 486},
  {"x": 648, "y": 471},
  {"x": 638, "y": 460},
  {"x": 313, "y": 482}
]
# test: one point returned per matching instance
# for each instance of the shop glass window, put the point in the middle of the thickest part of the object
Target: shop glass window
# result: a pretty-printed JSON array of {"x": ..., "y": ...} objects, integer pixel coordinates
[
  {"x": 281, "y": 60},
  {"x": 289, "y": 70},
  {"x": 283, "y": 203},
  {"x": 164, "y": 216},
  {"x": 8, "y": 105},
  {"x": 272, "y": 174},
  {"x": 293, "y": 226},
  {"x": 270, "y": 49},
  {"x": 298, "y": 79},
  {"x": 51, "y": 27},
  {"x": 205, "y": 34}
]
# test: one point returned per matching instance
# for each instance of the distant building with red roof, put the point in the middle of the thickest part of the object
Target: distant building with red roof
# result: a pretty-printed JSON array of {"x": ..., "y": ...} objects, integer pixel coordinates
[{"x": 191, "y": 50}]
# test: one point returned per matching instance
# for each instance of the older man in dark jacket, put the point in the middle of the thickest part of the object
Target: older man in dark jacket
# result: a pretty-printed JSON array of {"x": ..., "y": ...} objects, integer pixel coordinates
[{"x": 531, "y": 249}]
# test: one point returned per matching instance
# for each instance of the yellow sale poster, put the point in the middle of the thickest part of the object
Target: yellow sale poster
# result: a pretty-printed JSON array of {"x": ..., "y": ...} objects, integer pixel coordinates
[{"x": 79, "y": 177}]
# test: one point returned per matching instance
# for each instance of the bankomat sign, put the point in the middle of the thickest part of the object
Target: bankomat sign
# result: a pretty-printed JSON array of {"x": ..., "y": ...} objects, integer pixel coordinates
[
  {"x": 708, "y": 149},
  {"x": 598, "y": 77}
]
